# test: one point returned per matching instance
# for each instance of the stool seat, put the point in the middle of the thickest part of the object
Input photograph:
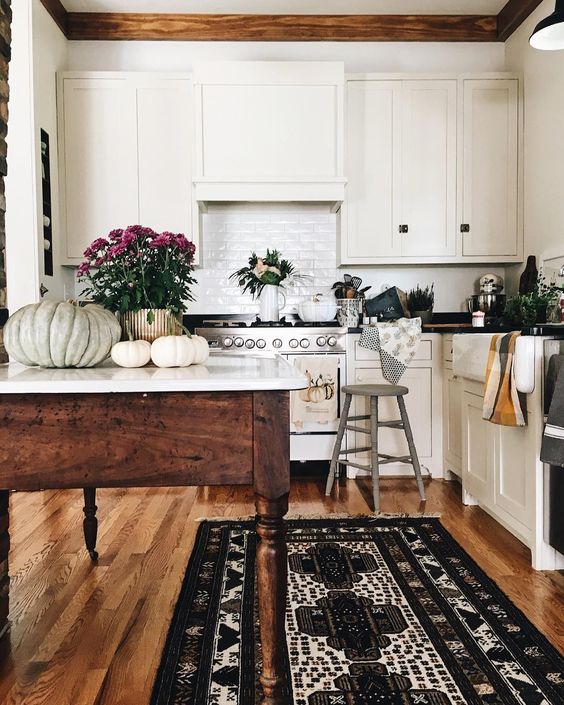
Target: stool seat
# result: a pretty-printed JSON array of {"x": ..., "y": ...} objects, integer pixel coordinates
[{"x": 376, "y": 390}]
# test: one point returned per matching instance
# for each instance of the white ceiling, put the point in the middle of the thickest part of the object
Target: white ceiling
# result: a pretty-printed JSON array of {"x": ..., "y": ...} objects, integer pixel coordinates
[{"x": 301, "y": 7}]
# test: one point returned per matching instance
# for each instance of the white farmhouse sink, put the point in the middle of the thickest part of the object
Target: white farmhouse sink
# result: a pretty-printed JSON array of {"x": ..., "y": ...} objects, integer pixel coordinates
[{"x": 470, "y": 357}]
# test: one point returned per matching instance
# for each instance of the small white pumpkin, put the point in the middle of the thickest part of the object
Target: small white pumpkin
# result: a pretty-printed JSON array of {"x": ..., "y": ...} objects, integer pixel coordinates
[
  {"x": 202, "y": 349},
  {"x": 131, "y": 353},
  {"x": 173, "y": 351}
]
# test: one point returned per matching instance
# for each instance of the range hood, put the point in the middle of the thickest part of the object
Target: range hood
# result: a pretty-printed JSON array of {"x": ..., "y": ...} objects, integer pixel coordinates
[{"x": 269, "y": 131}]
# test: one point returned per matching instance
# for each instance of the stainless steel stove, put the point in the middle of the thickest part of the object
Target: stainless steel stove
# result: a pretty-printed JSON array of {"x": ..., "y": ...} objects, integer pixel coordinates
[
  {"x": 297, "y": 342},
  {"x": 275, "y": 340}
]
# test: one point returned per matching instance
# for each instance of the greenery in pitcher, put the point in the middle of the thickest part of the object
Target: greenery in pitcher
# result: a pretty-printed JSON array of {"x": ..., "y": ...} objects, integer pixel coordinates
[
  {"x": 528, "y": 309},
  {"x": 137, "y": 268},
  {"x": 420, "y": 299},
  {"x": 270, "y": 269}
]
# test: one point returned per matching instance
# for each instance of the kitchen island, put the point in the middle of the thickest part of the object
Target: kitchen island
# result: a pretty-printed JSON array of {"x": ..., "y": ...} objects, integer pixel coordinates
[{"x": 225, "y": 423}]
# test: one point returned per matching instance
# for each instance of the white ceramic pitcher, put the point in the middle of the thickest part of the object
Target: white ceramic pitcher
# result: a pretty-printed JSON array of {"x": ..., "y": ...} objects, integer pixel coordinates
[{"x": 269, "y": 301}]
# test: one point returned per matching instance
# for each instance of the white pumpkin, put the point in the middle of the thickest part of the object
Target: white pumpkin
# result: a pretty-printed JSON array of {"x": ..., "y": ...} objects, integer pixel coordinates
[
  {"x": 131, "y": 353},
  {"x": 202, "y": 349},
  {"x": 60, "y": 334},
  {"x": 173, "y": 351}
]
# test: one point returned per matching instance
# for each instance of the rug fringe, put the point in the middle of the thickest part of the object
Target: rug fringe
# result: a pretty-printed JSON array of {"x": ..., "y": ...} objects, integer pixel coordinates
[{"x": 343, "y": 515}]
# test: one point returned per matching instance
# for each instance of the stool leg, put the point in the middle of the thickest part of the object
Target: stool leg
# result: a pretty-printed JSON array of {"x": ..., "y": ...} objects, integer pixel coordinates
[
  {"x": 411, "y": 444},
  {"x": 90, "y": 523},
  {"x": 338, "y": 442},
  {"x": 374, "y": 458}
]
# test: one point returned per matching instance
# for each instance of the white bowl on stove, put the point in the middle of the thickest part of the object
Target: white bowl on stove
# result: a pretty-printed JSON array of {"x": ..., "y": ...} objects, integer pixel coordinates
[{"x": 317, "y": 311}]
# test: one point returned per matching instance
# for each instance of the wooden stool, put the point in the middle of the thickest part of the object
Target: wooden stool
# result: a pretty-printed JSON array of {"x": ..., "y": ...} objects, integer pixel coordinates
[{"x": 374, "y": 391}]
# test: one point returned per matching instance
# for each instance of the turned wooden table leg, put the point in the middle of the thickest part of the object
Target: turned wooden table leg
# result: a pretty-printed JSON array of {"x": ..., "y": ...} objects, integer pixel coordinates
[
  {"x": 4, "y": 549},
  {"x": 272, "y": 484},
  {"x": 90, "y": 523}
]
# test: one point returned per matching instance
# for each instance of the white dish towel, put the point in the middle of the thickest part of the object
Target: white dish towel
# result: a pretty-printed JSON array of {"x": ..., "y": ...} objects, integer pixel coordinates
[
  {"x": 317, "y": 403},
  {"x": 397, "y": 343}
]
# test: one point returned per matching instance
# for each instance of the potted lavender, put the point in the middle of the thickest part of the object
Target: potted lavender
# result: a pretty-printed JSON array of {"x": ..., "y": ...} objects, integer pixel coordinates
[{"x": 143, "y": 276}]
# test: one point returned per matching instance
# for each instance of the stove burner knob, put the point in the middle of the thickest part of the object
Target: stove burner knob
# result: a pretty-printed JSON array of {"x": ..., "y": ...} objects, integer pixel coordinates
[
  {"x": 250, "y": 344},
  {"x": 321, "y": 341},
  {"x": 228, "y": 342},
  {"x": 239, "y": 342},
  {"x": 261, "y": 344},
  {"x": 304, "y": 343},
  {"x": 277, "y": 343},
  {"x": 294, "y": 343},
  {"x": 331, "y": 341}
]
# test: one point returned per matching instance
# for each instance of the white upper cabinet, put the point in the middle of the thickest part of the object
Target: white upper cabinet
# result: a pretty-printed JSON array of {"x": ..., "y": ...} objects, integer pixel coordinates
[
  {"x": 428, "y": 169},
  {"x": 99, "y": 164},
  {"x": 126, "y": 149},
  {"x": 373, "y": 160},
  {"x": 490, "y": 168},
  {"x": 165, "y": 133},
  {"x": 428, "y": 158}
]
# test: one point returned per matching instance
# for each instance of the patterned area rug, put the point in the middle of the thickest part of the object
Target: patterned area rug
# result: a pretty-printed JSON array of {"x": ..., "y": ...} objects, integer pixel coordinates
[{"x": 380, "y": 611}]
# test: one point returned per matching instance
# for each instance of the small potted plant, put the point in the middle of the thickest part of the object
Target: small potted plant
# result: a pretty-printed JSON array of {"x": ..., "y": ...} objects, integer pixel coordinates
[
  {"x": 420, "y": 303},
  {"x": 263, "y": 277},
  {"x": 142, "y": 275},
  {"x": 531, "y": 308}
]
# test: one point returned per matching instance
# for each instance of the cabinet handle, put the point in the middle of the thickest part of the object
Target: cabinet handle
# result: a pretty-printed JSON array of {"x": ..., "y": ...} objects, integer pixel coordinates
[
  {"x": 403, "y": 229},
  {"x": 465, "y": 228}
]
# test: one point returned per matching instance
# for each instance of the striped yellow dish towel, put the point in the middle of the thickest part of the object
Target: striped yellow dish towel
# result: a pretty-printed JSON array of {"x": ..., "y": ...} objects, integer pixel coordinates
[{"x": 503, "y": 404}]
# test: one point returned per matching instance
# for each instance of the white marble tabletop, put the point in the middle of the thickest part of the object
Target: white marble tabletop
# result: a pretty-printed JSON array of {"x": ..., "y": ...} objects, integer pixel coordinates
[{"x": 228, "y": 373}]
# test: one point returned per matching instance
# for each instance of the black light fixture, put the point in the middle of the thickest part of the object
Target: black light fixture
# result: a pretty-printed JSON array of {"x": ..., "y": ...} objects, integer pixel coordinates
[{"x": 549, "y": 33}]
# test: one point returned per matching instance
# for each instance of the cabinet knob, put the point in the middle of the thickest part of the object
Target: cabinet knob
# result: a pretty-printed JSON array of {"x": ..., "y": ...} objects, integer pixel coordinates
[
  {"x": 403, "y": 229},
  {"x": 465, "y": 228}
]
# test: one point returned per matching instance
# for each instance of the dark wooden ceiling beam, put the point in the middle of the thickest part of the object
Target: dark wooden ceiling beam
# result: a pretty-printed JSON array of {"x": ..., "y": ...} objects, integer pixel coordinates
[
  {"x": 57, "y": 11},
  {"x": 512, "y": 16},
  {"x": 282, "y": 28}
]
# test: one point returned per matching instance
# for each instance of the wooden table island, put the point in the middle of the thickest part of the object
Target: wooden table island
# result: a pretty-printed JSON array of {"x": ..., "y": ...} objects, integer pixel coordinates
[{"x": 223, "y": 424}]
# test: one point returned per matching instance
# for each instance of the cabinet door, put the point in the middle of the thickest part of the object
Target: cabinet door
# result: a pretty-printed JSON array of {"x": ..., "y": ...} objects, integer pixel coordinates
[
  {"x": 419, "y": 407},
  {"x": 373, "y": 148},
  {"x": 476, "y": 449},
  {"x": 452, "y": 422},
  {"x": 164, "y": 113},
  {"x": 100, "y": 159},
  {"x": 428, "y": 168},
  {"x": 514, "y": 462},
  {"x": 490, "y": 168}
]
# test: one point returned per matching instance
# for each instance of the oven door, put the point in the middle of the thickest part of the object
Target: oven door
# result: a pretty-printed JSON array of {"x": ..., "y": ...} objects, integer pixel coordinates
[{"x": 315, "y": 440}]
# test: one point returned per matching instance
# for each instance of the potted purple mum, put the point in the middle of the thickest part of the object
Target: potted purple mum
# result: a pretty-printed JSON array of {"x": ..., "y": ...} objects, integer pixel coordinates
[{"x": 143, "y": 276}]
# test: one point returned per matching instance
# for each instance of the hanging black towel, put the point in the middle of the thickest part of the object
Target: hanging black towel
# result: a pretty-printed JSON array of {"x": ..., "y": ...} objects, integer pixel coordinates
[{"x": 552, "y": 449}]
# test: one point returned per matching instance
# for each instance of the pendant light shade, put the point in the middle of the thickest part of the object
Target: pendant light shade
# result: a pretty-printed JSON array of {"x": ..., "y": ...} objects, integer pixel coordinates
[{"x": 549, "y": 33}]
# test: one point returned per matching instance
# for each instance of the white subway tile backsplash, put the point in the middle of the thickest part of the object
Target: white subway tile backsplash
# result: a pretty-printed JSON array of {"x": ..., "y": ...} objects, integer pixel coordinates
[{"x": 305, "y": 234}]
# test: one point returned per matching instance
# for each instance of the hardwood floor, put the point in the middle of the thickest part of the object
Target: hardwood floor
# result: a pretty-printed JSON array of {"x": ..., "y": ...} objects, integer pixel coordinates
[{"x": 85, "y": 634}]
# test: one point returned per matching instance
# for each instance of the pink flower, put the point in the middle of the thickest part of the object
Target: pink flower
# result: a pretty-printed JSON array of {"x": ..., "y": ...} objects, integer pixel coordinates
[
  {"x": 83, "y": 270},
  {"x": 95, "y": 247}
]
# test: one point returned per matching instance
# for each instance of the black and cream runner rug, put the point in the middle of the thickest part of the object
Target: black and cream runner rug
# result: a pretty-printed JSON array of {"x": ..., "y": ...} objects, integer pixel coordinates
[{"x": 381, "y": 611}]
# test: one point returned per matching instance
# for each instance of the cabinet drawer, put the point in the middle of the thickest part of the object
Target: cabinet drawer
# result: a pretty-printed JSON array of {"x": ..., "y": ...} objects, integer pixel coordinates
[{"x": 424, "y": 352}]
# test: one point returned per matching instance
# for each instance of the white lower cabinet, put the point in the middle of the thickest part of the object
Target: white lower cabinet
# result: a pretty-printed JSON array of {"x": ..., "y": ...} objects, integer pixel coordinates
[
  {"x": 423, "y": 403},
  {"x": 498, "y": 467}
]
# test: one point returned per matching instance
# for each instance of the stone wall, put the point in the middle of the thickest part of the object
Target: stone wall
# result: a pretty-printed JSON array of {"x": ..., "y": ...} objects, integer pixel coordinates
[{"x": 5, "y": 42}]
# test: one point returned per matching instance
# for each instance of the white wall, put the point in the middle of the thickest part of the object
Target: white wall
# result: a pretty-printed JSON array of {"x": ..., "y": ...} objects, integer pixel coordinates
[
  {"x": 358, "y": 56},
  {"x": 544, "y": 144},
  {"x": 39, "y": 49}
]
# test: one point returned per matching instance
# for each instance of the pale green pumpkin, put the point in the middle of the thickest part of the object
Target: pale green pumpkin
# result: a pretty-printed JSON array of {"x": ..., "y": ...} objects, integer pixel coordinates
[{"x": 60, "y": 334}]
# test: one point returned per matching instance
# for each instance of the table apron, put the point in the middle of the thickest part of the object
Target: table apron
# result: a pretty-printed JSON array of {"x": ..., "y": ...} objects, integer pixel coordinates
[{"x": 155, "y": 439}]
